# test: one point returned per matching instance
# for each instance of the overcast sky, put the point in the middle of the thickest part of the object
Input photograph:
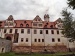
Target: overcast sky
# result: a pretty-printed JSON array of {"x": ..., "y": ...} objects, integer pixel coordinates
[{"x": 28, "y": 9}]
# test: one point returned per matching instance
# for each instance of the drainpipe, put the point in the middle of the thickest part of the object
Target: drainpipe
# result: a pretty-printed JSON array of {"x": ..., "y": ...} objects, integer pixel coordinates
[
  {"x": 31, "y": 39},
  {"x": 44, "y": 38}
]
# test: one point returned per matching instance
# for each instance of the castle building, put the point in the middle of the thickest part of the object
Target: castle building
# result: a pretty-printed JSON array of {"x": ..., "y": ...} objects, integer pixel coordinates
[{"x": 34, "y": 35}]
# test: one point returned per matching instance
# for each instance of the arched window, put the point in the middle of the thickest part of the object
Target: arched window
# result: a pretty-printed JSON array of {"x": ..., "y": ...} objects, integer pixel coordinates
[
  {"x": 21, "y": 25},
  {"x": 27, "y": 25}
]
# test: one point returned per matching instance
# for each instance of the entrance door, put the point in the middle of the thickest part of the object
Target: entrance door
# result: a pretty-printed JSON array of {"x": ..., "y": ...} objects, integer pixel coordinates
[
  {"x": 2, "y": 50},
  {"x": 8, "y": 38}
]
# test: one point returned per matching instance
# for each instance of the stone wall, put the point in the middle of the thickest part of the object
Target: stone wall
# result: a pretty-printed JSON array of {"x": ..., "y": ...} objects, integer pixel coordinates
[
  {"x": 5, "y": 45},
  {"x": 39, "y": 49}
]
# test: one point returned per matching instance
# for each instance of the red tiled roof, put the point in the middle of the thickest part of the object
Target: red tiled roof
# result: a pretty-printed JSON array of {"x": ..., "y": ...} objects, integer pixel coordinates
[
  {"x": 23, "y": 22},
  {"x": 29, "y": 23},
  {"x": 48, "y": 24}
]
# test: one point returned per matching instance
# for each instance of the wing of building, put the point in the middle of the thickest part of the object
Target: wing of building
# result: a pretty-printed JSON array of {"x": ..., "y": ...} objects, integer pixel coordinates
[{"x": 34, "y": 35}]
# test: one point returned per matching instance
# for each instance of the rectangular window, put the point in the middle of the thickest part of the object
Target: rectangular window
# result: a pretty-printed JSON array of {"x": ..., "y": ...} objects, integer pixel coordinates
[
  {"x": 52, "y": 31},
  {"x": 40, "y": 25},
  {"x": 35, "y": 40},
  {"x": 58, "y": 39},
  {"x": 46, "y": 31},
  {"x": 22, "y": 30},
  {"x": 34, "y": 24},
  {"x": 42, "y": 40},
  {"x": 28, "y": 31},
  {"x": 35, "y": 31},
  {"x": 11, "y": 24},
  {"x": 26, "y": 39},
  {"x": 53, "y": 40},
  {"x": 38, "y": 40},
  {"x": 10, "y": 30},
  {"x": 16, "y": 30},
  {"x": 40, "y": 31},
  {"x": 57, "y": 32},
  {"x": 22, "y": 39},
  {"x": 5, "y": 30}
]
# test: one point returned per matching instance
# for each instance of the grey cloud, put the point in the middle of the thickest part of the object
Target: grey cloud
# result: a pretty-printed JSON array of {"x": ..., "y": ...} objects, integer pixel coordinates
[{"x": 28, "y": 9}]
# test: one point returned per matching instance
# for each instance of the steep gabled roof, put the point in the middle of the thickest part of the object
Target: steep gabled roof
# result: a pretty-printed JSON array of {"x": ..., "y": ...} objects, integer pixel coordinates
[{"x": 37, "y": 18}]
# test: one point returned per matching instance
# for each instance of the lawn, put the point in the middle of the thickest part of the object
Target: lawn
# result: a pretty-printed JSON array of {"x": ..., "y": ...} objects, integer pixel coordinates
[{"x": 33, "y": 54}]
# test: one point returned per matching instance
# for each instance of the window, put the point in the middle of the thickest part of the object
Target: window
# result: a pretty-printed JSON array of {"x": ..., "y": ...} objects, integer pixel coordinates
[
  {"x": 38, "y": 40},
  {"x": 53, "y": 40},
  {"x": 21, "y": 39},
  {"x": 11, "y": 23},
  {"x": 45, "y": 26},
  {"x": 5, "y": 30},
  {"x": 52, "y": 31},
  {"x": 35, "y": 31},
  {"x": 27, "y": 25},
  {"x": 35, "y": 40},
  {"x": 22, "y": 30},
  {"x": 42, "y": 40},
  {"x": 58, "y": 39},
  {"x": 21, "y": 25},
  {"x": 10, "y": 30},
  {"x": 28, "y": 31},
  {"x": 26, "y": 39},
  {"x": 39, "y": 19},
  {"x": 40, "y": 31},
  {"x": 46, "y": 31},
  {"x": 16, "y": 30},
  {"x": 34, "y": 24},
  {"x": 51, "y": 26},
  {"x": 57, "y": 32},
  {"x": 40, "y": 25}
]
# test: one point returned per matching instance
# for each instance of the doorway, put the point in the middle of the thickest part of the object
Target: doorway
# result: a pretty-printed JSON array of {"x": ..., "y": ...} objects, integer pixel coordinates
[{"x": 8, "y": 38}]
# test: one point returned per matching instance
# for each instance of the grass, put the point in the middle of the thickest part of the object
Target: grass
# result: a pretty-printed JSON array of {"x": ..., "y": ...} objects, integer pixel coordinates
[{"x": 33, "y": 54}]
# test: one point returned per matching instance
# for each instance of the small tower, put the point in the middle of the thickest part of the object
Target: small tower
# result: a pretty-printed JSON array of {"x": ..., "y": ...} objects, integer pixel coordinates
[{"x": 46, "y": 17}]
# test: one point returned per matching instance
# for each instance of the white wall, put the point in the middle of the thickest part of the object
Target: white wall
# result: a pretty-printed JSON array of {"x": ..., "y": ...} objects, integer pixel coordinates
[{"x": 47, "y": 37}]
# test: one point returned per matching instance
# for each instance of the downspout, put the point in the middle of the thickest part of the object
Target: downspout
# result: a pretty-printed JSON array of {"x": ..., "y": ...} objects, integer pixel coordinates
[{"x": 44, "y": 39}]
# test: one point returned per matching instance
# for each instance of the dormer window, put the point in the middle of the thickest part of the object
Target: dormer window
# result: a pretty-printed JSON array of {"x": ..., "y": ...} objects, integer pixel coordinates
[
  {"x": 21, "y": 25},
  {"x": 51, "y": 26},
  {"x": 45, "y": 26},
  {"x": 25, "y": 22},
  {"x": 47, "y": 23},
  {"x": 27, "y": 25}
]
